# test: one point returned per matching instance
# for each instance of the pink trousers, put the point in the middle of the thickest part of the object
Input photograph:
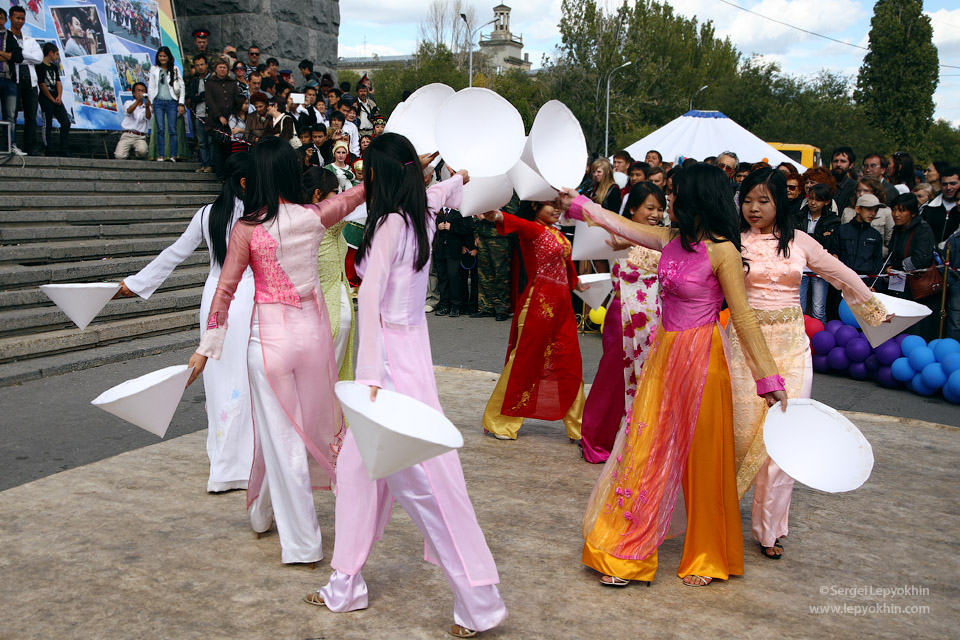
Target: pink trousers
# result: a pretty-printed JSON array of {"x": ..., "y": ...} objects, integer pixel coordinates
[
  {"x": 771, "y": 503},
  {"x": 478, "y": 608}
]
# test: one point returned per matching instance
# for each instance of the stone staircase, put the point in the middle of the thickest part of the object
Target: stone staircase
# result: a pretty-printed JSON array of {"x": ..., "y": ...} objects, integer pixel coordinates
[{"x": 85, "y": 220}]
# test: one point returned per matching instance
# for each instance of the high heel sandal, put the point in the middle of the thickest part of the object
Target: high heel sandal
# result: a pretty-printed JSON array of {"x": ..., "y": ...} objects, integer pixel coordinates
[{"x": 462, "y": 632}]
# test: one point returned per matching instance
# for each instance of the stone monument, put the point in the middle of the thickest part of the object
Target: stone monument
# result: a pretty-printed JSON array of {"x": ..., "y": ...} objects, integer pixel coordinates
[{"x": 288, "y": 30}]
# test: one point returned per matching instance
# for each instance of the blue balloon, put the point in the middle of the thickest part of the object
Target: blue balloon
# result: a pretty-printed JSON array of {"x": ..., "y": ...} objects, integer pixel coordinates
[
  {"x": 822, "y": 342},
  {"x": 820, "y": 362},
  {"x": 846, "y": 315},
  {"x": 953, "y": 383},
  {"x": 888, "y": 352},
  {"x": 837, "y": 358},
  {"x": 933, "y": 375},
  {"x": 920, "y": 357},
  {"x": 845, "y": 334},
  {"x": 920, "y": 387},
  {"x": 910, "y": 343},
  {"x": 944, "y": 348},
  {"x": 858, "y": 371},
  {"x": 951, "y": 363},
  {"x": 933, "y": 343},
  {"x": 900, "y": 370},
  {"x": 951, "y": 396}
]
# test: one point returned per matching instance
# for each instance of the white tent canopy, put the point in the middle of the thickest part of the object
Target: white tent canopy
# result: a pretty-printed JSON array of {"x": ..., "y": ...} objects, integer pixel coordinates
[{"x": 700, "y": 134}]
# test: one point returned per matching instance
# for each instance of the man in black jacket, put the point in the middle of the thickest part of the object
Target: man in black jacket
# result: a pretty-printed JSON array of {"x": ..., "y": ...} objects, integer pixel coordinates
[
  {"x": 875, "y": 166},
  {"x": 11, "y": 55},
  {"x": 942, "y": 213},
  {"x": 860, "y": 246},
  {"x": 454, "y": 234},
  {"x": 842, "y": 162},
  {"x": 220, "y": 92}
]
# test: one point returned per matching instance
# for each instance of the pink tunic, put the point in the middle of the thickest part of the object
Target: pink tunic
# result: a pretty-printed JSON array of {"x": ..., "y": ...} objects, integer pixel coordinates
[
  {"x": 283, "y": 256},
  {"x": 391, "y": 308}
]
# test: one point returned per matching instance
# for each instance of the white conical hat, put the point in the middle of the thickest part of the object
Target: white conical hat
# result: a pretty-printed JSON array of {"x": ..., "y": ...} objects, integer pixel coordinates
[
  {"x": 529, "y": 184},
  {"x": 590, "y": 243},
  {"x": 479, "y": 131},
  {"x": 906, "y": 314},
  {"x": 620, "y": 179},
  {"x": 481, "y": 195},
  {"x": 396, "y": 431},
  {"x": 600, "y": 287},
  {"x": 81, "y": 301},
  {"x": 558, "y": 149},
  {"x": 817, "y": 446},
  {"x": 415, "y": 119},
  {"x": 149, "y": 401}
]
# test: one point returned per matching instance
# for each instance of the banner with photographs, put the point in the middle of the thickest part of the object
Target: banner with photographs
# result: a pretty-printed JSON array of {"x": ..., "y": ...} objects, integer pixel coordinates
[{"x": 106, "y": 46}]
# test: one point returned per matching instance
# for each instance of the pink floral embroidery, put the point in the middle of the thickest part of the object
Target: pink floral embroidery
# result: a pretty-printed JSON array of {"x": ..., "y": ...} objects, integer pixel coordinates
[
  {"x": 271, "y": 282},
  {"x": 627, "y": 515}
]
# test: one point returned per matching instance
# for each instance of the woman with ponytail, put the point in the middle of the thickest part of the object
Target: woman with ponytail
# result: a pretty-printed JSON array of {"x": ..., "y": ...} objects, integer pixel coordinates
[
  {"x": 229, "y": 423},
  {"x": 394, "y": 260},
  {"x": 290, "y": 360},
  {"x": 680, "y": 430}
]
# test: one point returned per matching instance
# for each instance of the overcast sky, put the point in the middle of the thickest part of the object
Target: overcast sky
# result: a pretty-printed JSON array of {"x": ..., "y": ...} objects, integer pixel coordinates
[{"x": 389, "y": 27}]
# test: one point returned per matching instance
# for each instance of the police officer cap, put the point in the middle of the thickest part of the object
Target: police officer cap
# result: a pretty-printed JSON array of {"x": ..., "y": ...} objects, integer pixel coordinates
[{"x": 202, "y": 32}]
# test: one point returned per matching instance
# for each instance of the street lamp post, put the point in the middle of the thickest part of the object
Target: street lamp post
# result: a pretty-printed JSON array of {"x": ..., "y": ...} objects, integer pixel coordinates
[
  {"x": 473, "y": 34},
  {"x": 606, "y": 140},
  {"x": 695, "y": 95}
]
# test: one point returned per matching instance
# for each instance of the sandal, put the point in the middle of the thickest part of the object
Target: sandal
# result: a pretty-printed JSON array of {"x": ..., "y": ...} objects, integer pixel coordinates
[
  {"x": 777, "y": 548},
  {"x": 698, "y": 581},
  {"x": 314, "y": 597},
  {"x": 462, "y": 632},
  {"x": 613, "y": 581}
]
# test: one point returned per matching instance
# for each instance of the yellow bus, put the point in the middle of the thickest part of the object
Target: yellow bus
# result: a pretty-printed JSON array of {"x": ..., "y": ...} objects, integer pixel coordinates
[{"x": 806, "y": 154}]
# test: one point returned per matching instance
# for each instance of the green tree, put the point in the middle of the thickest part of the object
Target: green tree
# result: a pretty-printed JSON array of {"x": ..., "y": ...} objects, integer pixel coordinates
[{"x": 900, "y": 72}]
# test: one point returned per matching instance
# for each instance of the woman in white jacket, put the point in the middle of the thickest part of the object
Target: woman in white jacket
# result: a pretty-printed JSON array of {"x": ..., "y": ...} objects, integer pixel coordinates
[
  {"x": 166, "y": 92},
  {"x": 225, "y": 383}
]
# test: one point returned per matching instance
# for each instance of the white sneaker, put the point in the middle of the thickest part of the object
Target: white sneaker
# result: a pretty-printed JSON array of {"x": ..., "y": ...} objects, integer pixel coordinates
[
  {"x": 17, "y": 150},
  {"x": 159, "y": 159},
  {"x": 427, "y": 308}
]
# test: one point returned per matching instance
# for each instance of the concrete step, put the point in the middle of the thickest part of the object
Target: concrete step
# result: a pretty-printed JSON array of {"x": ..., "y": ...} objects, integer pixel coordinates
[
  {"x": 55, "y": 175},
  {"x": 13, "y": 348},
  {"x": 36, "y": 320},
  {"x": 181, "y": 278},
  {"x": 105, "y": 164},
  {"x": 158, "y": 200},
  {"x": 88, "y": 187},
  {"x": 12, "y": 373},
  {"x": 47, "y": 233},
  {"x": 73, "y": 250},
  {"x": 96, "y": 216},
  {"x": 107, "y": 270}
]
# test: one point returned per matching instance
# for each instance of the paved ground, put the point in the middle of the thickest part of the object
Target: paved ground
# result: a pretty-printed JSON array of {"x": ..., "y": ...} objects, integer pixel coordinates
[
  {"x": 132, "y": 547},
  {"x": 49, "y": 425}
]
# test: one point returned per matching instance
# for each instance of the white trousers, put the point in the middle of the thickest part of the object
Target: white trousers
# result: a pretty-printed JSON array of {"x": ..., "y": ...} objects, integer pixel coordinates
[
  {"x": 130, "y": 144},
  {"x": 342, "y": 339},
  {"x": 771, "y": 503},
  {"x": 286, "y": 495},
  {"x": 478, "y": 608}
]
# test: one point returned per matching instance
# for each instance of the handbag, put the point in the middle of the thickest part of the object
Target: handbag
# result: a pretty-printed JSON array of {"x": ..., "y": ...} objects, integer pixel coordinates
[
  {"x": 295, "y": 140},
  {"x": 923, "y": 285}
]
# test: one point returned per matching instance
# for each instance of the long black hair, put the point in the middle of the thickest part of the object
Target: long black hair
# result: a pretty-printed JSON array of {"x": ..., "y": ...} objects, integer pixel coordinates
[
  {"x": 236, "y": 168},
  {"x": 275, "y": 174},
  {"x": 704, "y": 206},
  {"x": 776, "y": 185},
  {"x": 318, "y": 178},
  {"x": 171, "y": 67},
  {"x": 639, "y": 194},
  {"x": 398, "y": 188}
]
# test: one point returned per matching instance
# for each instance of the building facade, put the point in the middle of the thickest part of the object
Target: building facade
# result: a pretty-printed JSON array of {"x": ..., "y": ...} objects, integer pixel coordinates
[{"x": 503, "y": 49}]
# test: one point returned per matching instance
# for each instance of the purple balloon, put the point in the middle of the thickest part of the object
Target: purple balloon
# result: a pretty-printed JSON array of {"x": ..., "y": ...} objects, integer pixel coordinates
[
  {"x": 858, "y": 349},
  {"x": 822, "y": 342},
  {"x": 885, "y": 379},
  {"x": 858, "y": 371},
  {"x": 834, "y": 325},
  {"x": 888, "y": 352},
  {"x": 900, "y": 338},
  {"x": 820, "y": 362},
  {"x": 844, "y": 335},
  {"x": 837, "y": 358},
  {"x": 872, "y": 363}
]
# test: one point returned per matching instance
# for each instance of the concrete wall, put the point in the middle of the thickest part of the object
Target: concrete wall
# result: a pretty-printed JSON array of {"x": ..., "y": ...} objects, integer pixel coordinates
[{"x": 289, "y": 30}]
